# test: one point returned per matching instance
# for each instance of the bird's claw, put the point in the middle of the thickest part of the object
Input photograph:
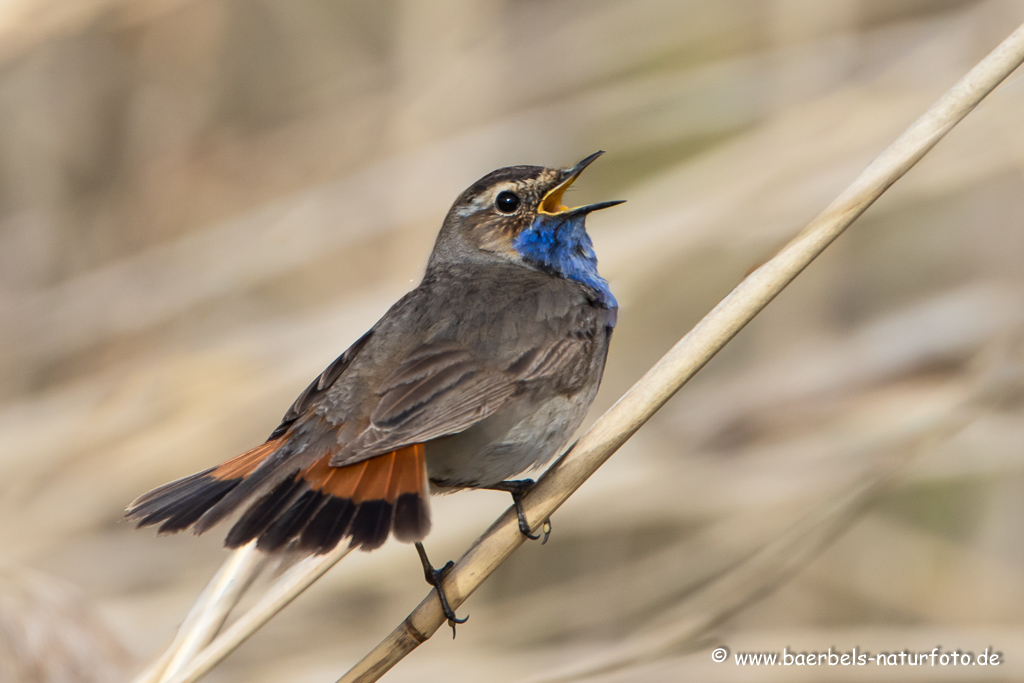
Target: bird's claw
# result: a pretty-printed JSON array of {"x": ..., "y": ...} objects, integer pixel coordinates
[
  {"x": 435, "y": 577},
  {"x": 524, "y": 529},
  {"x": 518, "y": 488}
]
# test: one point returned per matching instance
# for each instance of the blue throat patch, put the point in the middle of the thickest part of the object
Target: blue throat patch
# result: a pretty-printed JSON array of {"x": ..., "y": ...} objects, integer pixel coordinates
[{"x": 562, "y": 245}]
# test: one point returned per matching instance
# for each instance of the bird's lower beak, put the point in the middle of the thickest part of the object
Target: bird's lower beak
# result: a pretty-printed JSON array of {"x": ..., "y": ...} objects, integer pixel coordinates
[{"x": 552, "y": 202}]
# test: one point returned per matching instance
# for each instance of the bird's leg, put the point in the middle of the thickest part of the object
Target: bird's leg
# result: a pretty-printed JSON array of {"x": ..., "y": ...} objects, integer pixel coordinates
[
  {"x": 435, "y": 577},
  {"x": 518, "y": 488}
]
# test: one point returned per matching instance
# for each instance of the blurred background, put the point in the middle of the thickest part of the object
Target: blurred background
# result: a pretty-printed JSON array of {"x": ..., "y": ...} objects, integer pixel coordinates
[{"x": 203, "y": 202}]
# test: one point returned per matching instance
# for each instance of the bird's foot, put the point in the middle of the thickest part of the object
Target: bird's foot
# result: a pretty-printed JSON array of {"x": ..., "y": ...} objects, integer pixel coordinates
[
  {"x": 435, "y": 577},
  {"x": 518, "y": 488}
]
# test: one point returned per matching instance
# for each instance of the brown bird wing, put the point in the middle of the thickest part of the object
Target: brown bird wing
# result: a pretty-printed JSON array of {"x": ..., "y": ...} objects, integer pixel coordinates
[
  {"x": 324, "y": 381},
  {"x": 445, "y": 388}
]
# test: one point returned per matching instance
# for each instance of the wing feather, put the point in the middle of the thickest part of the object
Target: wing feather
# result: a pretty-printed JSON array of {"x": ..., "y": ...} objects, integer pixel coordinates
[{"x": 435, "y": 395}]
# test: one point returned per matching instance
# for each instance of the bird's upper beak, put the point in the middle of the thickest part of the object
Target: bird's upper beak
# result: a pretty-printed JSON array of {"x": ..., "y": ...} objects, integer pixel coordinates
[{"x": 552, "y": 202}]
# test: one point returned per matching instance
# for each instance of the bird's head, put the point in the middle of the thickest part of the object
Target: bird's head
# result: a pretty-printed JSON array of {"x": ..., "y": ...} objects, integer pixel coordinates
[{"x": 516, "y": 214}]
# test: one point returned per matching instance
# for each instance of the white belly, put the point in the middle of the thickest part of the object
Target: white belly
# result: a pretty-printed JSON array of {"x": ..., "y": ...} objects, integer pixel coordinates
[{"x": 494, "y": 451}]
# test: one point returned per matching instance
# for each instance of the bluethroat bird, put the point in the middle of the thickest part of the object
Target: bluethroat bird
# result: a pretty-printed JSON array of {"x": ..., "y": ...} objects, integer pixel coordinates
[{"x": 483, "y": 371}]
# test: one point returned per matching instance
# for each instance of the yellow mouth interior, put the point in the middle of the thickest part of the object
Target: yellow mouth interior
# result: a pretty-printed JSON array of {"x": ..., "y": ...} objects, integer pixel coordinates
[{"x": 552, "y": 202}]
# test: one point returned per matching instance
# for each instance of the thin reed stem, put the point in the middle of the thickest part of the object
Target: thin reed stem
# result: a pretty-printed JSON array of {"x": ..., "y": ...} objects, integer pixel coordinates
[
  {"x": 208, "y": 614},
  {"x": 288, "y": 587}
]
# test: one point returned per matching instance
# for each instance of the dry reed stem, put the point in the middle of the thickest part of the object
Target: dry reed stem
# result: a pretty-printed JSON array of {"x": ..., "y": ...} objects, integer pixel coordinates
[
  {"x": 208, "y": 614},
  {"x": 691, "y": 353},
  {"x": 781, "y": 559},
  {"x": 288, "y": 587}
]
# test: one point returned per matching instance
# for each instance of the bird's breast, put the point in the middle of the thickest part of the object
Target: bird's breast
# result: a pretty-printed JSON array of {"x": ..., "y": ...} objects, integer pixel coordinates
[{"x": 494, "y": 450}]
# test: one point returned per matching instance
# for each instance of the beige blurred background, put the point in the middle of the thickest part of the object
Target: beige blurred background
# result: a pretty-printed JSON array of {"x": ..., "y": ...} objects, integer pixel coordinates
[{"x": 203, "y": 202}]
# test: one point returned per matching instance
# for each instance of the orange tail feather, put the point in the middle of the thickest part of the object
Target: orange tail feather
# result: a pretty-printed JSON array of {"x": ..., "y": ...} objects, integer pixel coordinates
[{"x": 316, "y": 506}]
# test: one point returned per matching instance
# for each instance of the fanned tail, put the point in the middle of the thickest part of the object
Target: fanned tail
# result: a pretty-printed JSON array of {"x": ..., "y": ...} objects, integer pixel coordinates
[
  {"x": 316, "y": 506},
  {"x": 179, "y": 504}
]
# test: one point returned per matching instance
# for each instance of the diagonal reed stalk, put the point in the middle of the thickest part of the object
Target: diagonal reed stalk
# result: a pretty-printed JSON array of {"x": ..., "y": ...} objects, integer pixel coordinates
[
  {"x": 288, "y": 587},
  {"x": 637, "y": 405},
  {"x": 208, "y": 614},
  {"x": 684, "y": 626}
]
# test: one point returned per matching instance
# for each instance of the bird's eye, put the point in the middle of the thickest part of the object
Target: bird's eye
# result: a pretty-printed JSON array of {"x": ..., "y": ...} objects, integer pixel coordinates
[{"x": 507, "y": 202}]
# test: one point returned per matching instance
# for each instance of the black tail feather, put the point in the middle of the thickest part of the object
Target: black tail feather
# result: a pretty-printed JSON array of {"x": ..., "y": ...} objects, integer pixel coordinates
[
  {"x": 327, "y": 526},
  {"x": 412, "y": 518},
  {"x": 179, "y": 504},
  {"x": 268, "y": 475},
  {"x": 261, "y": 514},
  {"x": 372, "y": 524},
  {"x": 292, "y": 523},
  {"x": 313, "y": 506}
]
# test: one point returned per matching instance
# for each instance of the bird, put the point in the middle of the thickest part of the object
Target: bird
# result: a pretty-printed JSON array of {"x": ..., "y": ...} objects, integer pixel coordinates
[{"x": 482, "y": 372}]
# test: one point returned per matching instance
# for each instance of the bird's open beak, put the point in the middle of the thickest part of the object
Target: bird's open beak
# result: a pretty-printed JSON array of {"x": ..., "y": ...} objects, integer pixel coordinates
[{"x": 552, "y": 202}]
